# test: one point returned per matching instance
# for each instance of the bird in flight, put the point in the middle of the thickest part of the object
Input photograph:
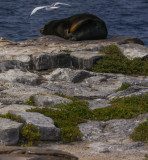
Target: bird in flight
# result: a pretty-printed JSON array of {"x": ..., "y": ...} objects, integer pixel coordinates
[{"x": 51, "y": 7}]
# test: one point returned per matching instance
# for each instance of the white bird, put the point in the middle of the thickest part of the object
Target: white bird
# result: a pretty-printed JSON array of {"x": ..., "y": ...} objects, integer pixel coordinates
[{"x": 48, "y": 8}]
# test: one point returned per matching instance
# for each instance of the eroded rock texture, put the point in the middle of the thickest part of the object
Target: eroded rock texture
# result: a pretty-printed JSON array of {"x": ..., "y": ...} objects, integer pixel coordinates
[{"x": 48, "y": 66}]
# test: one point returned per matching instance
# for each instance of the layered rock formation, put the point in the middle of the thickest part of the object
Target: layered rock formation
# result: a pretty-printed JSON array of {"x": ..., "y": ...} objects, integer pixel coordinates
[{"x": 48, "y": 66}]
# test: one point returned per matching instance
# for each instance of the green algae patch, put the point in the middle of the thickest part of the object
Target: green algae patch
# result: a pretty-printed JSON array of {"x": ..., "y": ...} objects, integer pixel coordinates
[
  {"x": 123, "y": 87},
  {"x": 12, "y": 117},
  {"x": 29, "y": 135},
  {"x": 115, "y": 62},
  {"x": 127, "y": 107},
  {"x": 30, "y": 102},
  {"x": 68, "y": 116},
  {"x": 141, "y": 133}
]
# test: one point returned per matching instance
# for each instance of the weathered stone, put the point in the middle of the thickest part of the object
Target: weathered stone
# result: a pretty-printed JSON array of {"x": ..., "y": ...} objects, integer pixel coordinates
[
  {"x": 131, "y": 91},
  {"x": 117, "y": 130},
  {"x": 34, "y": 153},
  {"x": 12, "y": 64},
  {"x": 49, "y": 100},
  {"x": 99, "y": 86},
  {"x": 99, "y": 103},
  {"x": 29, "y": 54},
  {"x": 40, "y": 56},
  {"x": 131, "y": 40},
  {"x": 9, "y": 131},
  {"x": 20, "y": 77},
  {"x": 99, "y": 147},
  {"x": 68, "y": 75},
  {"x": 45, "y": 124},
  {"x": 78, "y": 60},
  {"x": 18, "y": 93},
  {"x": 134, "y": 50},
  {"x": 15, "y": 108}
]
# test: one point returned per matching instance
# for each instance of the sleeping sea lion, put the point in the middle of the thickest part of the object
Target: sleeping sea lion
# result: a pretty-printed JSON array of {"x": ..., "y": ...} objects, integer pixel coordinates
[{"x": 78, "y": 27}]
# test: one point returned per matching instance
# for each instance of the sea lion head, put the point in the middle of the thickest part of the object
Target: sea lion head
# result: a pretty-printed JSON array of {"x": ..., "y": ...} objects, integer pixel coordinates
[{"x": 42, "y": 30}]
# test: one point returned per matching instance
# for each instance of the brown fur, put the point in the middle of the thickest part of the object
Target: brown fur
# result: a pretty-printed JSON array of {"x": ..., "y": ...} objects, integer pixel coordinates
[{"x": 78, "y": 27}]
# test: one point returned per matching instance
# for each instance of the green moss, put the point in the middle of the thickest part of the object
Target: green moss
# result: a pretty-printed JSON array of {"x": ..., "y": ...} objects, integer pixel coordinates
[
  {"x": 30, "y": 102},
  {"x": 115, "y": 62},
  {"x": 68, "y": 116},
  {"x": 70, "y": 134},
  {"x": 127, "y": 107},
  {"x": 141, "y": 132},
  {"x": 123, "y": 87},
  {"x": 66, "y": 51},
  {"x": 88, "y": 49},
  {"x": 79, "y": 107},
  {"x": 13, "y": 117},
  {"x": 29, "y": 135}
]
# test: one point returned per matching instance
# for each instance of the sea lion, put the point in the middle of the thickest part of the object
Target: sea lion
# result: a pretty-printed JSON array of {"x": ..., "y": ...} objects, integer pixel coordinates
[{"x": 78, "y": 27}]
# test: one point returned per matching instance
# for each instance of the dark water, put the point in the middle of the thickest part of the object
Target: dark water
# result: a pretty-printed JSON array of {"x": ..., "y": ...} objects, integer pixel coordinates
[{"x": 122, "y": 17}]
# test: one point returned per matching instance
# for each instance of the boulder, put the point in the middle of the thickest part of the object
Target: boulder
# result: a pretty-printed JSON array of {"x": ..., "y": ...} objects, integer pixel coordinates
[
  {"x": 78, "y": 27},
  {"x": 45, "y": 124},
  {"x": 15, "y": 107},
  {"x": 49, "y": 100},
  {"x": 9, "y": 131}
]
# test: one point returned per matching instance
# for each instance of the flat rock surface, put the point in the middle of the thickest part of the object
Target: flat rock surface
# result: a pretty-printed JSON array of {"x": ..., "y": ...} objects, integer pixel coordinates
[
  {"x": 34, "y": 153},
  {"x": 117, "y": 130},
  {"x": 49, "y": 100},
  {"x": 52, "y": 52}
]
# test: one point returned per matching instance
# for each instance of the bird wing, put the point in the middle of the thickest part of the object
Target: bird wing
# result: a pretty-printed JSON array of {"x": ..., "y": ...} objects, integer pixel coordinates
[
  {"x": 51, "y": 8},
  {"x": 57, "y": 3},
  {"x": 36, "y": 9}
]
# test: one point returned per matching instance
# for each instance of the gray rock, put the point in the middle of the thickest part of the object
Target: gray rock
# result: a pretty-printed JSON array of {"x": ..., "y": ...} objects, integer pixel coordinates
[
  {"x": 45, "y": 124},
  {"x": 18, "y": 93},
  {"x": 84, "y": 59},
  {"x": 69, "y": 75},
  {"x": 78, "y": 60},
  {"x": 20, "y": 77},
  {"x": 99, "y": 86},
  {"x": 12, "y": 64},
  {"x": 140, "y": 80},
  {"x": 15, "y": 108},
  {"x": 131, "y": 91},
  {"x": 30, "y": 55},
  {"x": 49, "y": 100},
  {"x": 117, "y": 130},
  {"x": 99, "y": 103},
  {"x": 9, "y": 131},
  {"x": 44, "y": 66},
  {"x": 99, "y": 147},
  {"x": 132, "y": 51}
]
